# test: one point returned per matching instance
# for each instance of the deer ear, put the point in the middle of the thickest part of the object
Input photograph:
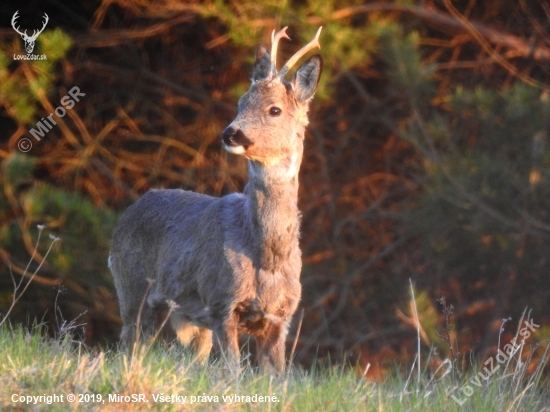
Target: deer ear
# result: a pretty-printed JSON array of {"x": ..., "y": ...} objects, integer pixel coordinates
[
  {"x": 262, "y": 64},
  {"x": 307, "y": 77}
]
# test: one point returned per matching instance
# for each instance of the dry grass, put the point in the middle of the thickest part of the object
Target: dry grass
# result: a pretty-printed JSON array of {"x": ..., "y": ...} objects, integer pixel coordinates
[{"x": 33, "y": 365}]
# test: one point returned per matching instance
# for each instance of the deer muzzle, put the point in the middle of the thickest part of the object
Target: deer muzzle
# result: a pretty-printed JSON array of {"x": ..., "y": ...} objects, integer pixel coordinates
[{"x": 235, "y": 141}]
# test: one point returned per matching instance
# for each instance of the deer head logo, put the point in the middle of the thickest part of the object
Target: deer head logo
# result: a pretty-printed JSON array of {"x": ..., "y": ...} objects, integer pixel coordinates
[{"x": 29, "y": 40}]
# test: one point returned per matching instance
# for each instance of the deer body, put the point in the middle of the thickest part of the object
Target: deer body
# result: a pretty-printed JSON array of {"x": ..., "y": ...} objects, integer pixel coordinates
[{"x": 231, "y": 264}]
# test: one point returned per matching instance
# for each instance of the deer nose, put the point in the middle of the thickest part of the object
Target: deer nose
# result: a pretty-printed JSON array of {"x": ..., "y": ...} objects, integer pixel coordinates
[{"x": 228, "y": 136}]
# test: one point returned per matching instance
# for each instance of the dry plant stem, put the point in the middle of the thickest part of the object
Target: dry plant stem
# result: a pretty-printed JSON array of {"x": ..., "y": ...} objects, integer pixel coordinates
[
  {"x": 535, "y": 378},
  {"x": 136, "y": 347},
  {"x": 291, "y": 357},
  {"x": 447, "y": 312},
  {"x": 520, "y": 350},
  {"x": 40, "y": 229},
  {"x": 448, "y": 335},
  {"x": 447, "y": 371},
  {"x": 366, "y": 370},
  {"x": 501, "y": 330},
  {"x": 171, "y": 307},
  {"x": 404, "y": 391},
  {"x": 16, "y": 295},
  {"x": 417, "y": 333},
  {"x": 138, "y": 320}
]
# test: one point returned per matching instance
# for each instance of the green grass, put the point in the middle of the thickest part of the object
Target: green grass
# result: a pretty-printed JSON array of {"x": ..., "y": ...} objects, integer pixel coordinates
[{"x": 31, "y": 364}]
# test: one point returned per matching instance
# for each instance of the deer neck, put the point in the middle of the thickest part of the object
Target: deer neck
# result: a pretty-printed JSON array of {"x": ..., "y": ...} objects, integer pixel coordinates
[{"x": 272, "y": 193}]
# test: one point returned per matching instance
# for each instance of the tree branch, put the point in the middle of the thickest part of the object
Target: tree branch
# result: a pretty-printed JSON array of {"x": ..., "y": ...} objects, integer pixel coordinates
[{"x": 445, "y": 22}]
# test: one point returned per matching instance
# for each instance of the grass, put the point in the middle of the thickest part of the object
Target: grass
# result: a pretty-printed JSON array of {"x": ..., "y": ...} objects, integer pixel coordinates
[
  {"x": 34, "y": 365},
  {"x": 34, "y": 368}
]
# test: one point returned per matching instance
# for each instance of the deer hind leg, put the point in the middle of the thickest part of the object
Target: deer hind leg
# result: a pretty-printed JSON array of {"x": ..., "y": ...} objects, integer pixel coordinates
[
  {"x": 136, "y": 315},
  {"x": 200, "y": 339}
]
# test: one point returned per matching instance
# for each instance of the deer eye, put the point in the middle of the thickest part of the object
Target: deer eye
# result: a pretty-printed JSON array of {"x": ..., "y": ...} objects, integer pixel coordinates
[{"x": 274, "y": 111}]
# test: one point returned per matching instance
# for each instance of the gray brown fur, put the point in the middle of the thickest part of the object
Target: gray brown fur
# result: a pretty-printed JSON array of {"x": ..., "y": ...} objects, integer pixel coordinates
[{"x": 231, "y": 264}]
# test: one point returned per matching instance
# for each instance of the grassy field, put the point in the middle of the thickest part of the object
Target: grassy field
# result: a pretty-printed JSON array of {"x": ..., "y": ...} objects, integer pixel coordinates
[{"x": 33, "y": 369}]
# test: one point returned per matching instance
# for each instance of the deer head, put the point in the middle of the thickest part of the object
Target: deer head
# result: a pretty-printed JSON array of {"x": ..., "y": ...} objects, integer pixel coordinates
[
  {"x": 29, "y": 40},
  {"x": 273, "y": 113}
]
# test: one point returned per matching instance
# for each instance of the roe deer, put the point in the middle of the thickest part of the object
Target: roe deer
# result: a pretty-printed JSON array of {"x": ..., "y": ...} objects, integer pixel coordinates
[{"x": 231, "y": 264}]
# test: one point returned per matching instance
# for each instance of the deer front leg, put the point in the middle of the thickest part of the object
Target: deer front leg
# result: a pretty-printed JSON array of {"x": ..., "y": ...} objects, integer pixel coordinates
[
  {"x": 225, "y": 339},
  {"x": 271, "y": 346}
]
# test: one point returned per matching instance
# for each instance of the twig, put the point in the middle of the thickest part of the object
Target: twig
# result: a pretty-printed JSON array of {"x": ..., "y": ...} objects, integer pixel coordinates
[
  {"x": 16, "y": 295},
  {"x": 296, "y": 337},
  {"x": 417, "y": 334},
  {"x": 447, "y": 312},
  {"x": 450, "y": 23}
]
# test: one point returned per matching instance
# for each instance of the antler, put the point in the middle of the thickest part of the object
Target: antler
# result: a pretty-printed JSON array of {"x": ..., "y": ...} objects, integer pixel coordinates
[
  {"x": 274, "y": 44},
  {"x": 300, "y": 53},
  {"x": 36, "y": 32},
  {"x": 35, "y": 35},
  {"x": 13, "y": 22}
]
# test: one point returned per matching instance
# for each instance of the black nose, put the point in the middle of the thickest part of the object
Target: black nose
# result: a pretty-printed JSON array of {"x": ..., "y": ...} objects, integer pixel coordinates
[
  {"x": 235, "y": 137},
  {"x": 228, "y": 137}
]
